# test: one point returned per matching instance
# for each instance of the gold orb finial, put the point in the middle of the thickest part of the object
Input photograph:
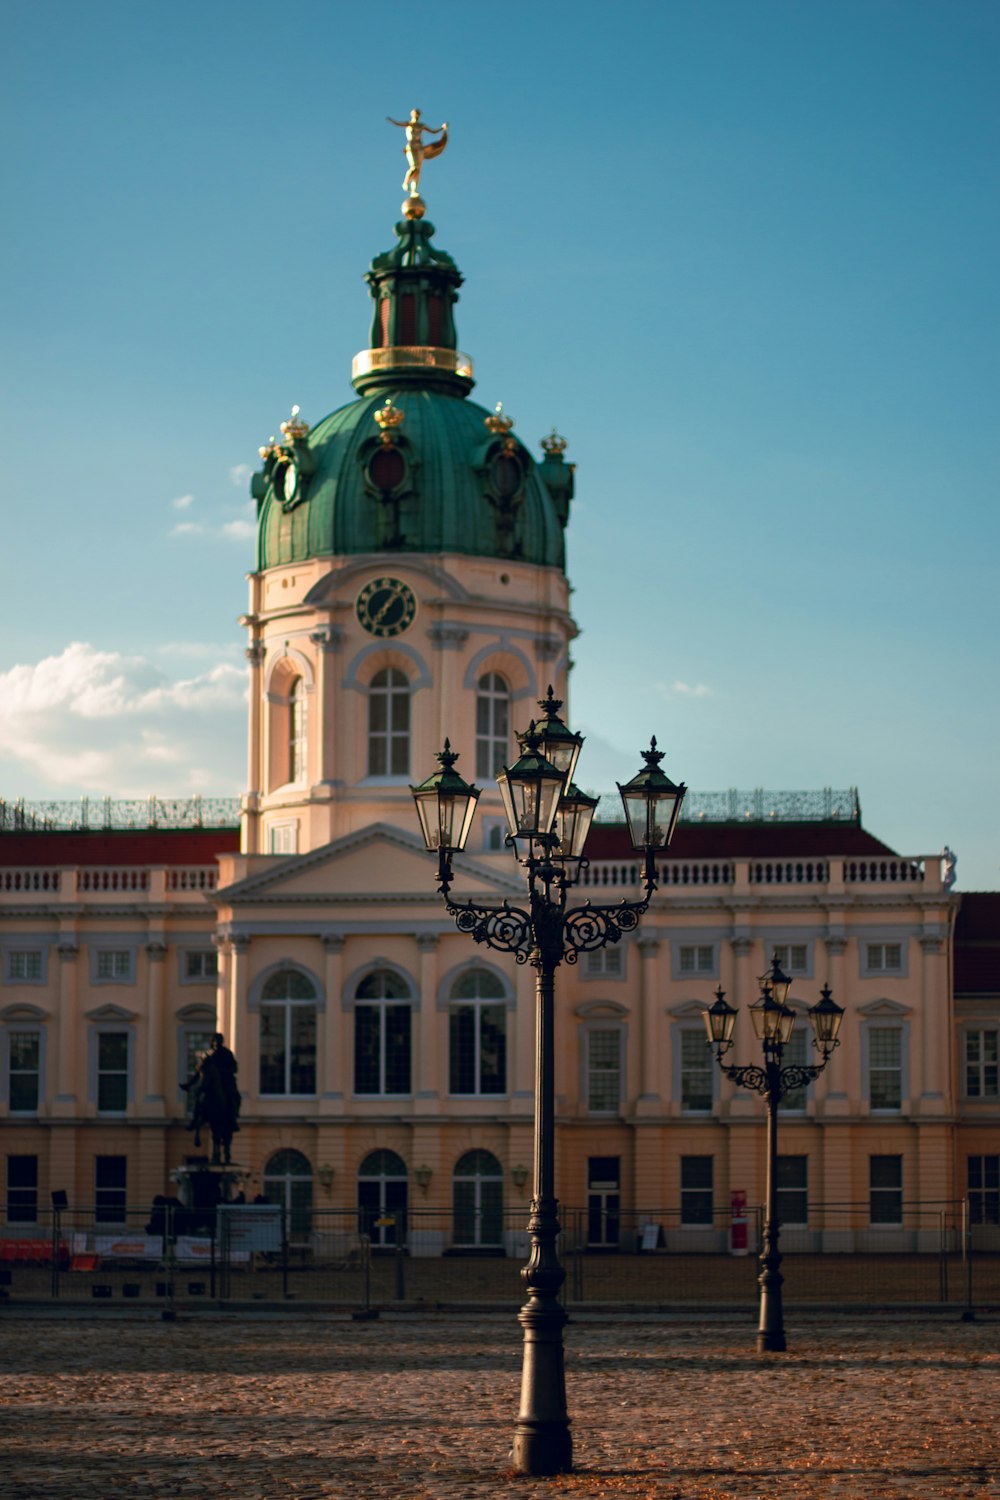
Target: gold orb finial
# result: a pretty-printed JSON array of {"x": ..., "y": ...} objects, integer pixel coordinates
[
  {"x": 388, "y": 418},
  {"x": 553, "y": 444},
  {"x": 499, "y": 422}
]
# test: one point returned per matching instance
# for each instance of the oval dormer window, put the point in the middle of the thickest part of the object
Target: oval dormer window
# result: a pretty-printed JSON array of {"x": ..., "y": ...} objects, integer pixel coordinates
[
  {"x": 506, "y": 475},
  {"x": 387, "y": 469}
]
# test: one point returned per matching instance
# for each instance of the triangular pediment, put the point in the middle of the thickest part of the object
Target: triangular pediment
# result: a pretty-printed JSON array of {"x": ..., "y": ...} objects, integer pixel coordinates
[
  {"x": 379, "y": 863},
  {"x": 884, "y": 1008}
]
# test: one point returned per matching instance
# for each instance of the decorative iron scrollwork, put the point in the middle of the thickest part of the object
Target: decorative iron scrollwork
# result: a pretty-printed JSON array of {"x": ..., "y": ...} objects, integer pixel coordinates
[
  {"x": 781, "y": 1080},
  {"x": 506, "y": 928}
]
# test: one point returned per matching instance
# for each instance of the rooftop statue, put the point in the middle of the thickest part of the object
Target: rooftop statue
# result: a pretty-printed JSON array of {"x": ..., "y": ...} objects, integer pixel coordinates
[{"x": 417, "y": 152}]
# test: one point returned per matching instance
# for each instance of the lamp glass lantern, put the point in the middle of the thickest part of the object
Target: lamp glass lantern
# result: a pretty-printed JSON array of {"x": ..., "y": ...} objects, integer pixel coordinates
[
  {"x": 446, "y": 805},
  {"x": 777, "y": 981},
  {"x": 652, "y": 803},
  {"x": 574, "y": 815},
  {"x": 772, "y": 1021},
  {"x": 530, "y": 790},
  {"x": 720, "y": 1019},
  {"x": 826, "y": 1016},
  {"x": 556, "y": 741}
]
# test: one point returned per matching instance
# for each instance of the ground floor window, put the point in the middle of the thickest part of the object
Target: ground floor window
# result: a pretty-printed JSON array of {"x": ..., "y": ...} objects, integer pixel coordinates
[
  {"x": 477, "y": 1198},
  {"x": 697, "y": 1186},
  {"x": 885, "y": 1191},
  {"x": 22, "y": 1189},
  {"x": 288, "y": 1182},
  {"x": 792, "y": 1189},
  {"x": 382, "y": 1198},
  {"x": 604, "y": 1201},
  {"x": 983, "y": 1180},
  {"x": 110, "y": 1189}
]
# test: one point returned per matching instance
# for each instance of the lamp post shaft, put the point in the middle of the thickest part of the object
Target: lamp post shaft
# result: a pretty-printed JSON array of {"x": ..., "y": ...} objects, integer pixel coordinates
[
  {"x": 771, "y": 1332},
  {"x": 542, "y": 1442}
]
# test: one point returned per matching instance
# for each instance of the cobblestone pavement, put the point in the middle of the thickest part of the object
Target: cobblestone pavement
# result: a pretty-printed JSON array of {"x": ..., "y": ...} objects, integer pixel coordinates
[{"x": 423, "y": 1408}]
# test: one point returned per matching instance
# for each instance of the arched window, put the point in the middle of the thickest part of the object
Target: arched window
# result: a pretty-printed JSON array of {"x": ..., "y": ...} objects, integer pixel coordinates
[
  {"x": 288, "y": 1182},
  {"x": 382, "y": 1198},
  {"x": 382, "y": 1035},
  {"x": 288, "y": 1035},
  {"x": 389, "y": 724},
  {"x": 492, "y": 724},
  {"x": 297, "y": 743},
  {"x": 477, "y": 1035},
  {"x": 477, "y": 1199}
]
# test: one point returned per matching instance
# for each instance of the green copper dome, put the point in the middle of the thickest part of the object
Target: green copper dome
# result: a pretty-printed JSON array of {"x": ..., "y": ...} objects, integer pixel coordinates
[{"x": 412, "y": 465}]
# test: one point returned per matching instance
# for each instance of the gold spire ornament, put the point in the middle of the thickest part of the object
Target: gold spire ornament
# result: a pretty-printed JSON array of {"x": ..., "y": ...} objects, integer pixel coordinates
[
  {"x": 417, "y": 151},
  {"x": 553, "y": 444}
]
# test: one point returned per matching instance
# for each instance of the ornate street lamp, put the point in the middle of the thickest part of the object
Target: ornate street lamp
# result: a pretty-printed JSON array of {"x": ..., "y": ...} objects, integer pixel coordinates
[
  {"x": 549, "y": 819},
  {"x": 773, "y": 1020}
]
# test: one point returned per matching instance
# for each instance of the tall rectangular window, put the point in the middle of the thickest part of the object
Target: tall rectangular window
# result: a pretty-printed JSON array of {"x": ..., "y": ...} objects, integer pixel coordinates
[
  {"x": 389, "y": 724},
  {"x": 697, "y": 1202},
  {"x": 110, "y": 1189},
  {"x": 885, "y": 1191},
  {"x": 885, "y": 1067},
  {"x": 287, "y": 1048},
  {"x": 477, "y": 1048},
  {"x": 492, "y": 725},
  {"x": 112, "y": 1071},
  {"x": 792, "y": 1185},
  {"x": 604, "y": 1069},
  {"x": 603, "y": 1200},
  {"x": 22, "y": 1189},
  {"x": 983, "y": 1180},
  {"x": 696, "y": 1071},
  {"x": 794, "y": 1055},
  {"x": 981, "y": 1060},
  {"x": 24, "y": 1052},
  {"x": 381, "y": 1049}
]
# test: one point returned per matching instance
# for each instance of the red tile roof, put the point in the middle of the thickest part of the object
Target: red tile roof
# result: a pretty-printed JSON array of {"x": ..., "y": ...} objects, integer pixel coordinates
[
  {"x": 147, "y": 846},
  {"x": 977, "y": 944},
  {"x": 749, "y": 840}
]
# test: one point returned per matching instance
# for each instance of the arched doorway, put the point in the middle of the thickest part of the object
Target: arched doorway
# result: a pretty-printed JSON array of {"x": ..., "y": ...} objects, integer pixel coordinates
[
  {"x": 288, "y": 1181},
  {"x": 382, "y": 1198},
  {"x": 477, "y": 1199}
]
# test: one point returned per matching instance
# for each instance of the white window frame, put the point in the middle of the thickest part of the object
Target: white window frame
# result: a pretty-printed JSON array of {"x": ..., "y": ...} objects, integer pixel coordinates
[
  {"x": 886, "y": 1156},
  {"x": 283, "y": 838},
  {"x": 874, "y": 953},
  {"x": 477, "y": 1004},
  {"x": 396, "y": 687},
  {"x": 798, "y": 1043},
  {"x": 700, "y": 1222},
  {"x": 14, "y": 954},
  {"x": 287, "y": 1004},
  {"x": 119, "y": 960},
  {"x": 702, "y": 967},
  {"x": 886, "y": 1024},
  {"x": 688, "y": 1028},
  {"x": 493, "y": 745},
  {"x": 298, "y": 733},
  {"x": 780, "y": 1190},
  {"x": 785, "y": 954},
  {"x": 610, "y": 962},
  {"x": 39, "y": 1030},
  {"x": 187, "y": 954},
  {"x": 96, "y": 1032},
  {"x": 982, "y": 1064},
  {"x": 587, "y": 1034}
]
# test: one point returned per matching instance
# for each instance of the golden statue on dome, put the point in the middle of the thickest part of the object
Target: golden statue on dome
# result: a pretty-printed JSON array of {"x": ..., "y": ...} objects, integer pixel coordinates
[{"x": 417, "y": 151}]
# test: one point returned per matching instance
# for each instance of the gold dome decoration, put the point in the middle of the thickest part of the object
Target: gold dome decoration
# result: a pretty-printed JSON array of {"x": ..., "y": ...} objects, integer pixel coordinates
[
  {"x": 553, "y": 443},
  {"x": 294, "y": 429},
  {"x": 388, "y": 418},
  {"x": 499, "y": 423},
  {"x": 271, "y": 447}
]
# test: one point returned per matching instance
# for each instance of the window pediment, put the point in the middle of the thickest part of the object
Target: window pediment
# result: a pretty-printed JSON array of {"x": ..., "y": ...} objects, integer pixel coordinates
[
  {"x": 601, "y": 1010},
  {"x": 111, "y": 1013},
  {"x": 22, "y": 1012},
  {"x": 884, "y": 1008}
]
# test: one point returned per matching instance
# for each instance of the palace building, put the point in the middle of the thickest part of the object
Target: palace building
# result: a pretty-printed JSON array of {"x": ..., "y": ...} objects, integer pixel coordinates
[{"x": 411, "y": 587}]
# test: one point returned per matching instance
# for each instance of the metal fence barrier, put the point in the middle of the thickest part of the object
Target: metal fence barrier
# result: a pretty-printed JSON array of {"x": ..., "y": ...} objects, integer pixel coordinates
[{"x": 364, "y": 1260}]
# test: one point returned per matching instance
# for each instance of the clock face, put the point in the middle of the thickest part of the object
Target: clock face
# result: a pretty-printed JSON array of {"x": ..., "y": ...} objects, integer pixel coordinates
[
  {"x": 288, "y": 483},
  {"x": 386, "y": 607}
]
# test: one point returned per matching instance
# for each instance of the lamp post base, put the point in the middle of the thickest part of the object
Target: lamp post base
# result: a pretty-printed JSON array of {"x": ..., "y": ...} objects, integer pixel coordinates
[
  {"x": 771, "y": 1342},
  {"x": 542, "y": 1442}
]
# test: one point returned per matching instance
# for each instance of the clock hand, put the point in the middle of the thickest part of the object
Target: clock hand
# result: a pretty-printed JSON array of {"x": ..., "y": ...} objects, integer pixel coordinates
[{"x": 393, "y": 598}]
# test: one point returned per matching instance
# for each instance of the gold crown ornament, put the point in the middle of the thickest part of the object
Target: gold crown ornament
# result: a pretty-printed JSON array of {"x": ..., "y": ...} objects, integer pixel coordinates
[
  {"x": 553, "y": 444},
  {"x": 269, "y": 449},
  {"x": 388, "y": 418},
  {"x": 498, "y": 422},
  {"x": 294, "y": 429}
]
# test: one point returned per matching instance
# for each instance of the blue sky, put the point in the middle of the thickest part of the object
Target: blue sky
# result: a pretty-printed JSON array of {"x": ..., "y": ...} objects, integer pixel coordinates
[{"x": 742, "y": 254}]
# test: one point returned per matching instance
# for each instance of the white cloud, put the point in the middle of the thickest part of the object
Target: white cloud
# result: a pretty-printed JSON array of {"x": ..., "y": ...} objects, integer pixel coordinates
[
  {"x": 687, "y": 691},
  {"x": 239, "y": 531},
  {"x": 90, "y": 721},
  {"x": 187, "y": 528},
  {"x": 183, "y": 502},
  {"x": 240, "y": 474}
]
